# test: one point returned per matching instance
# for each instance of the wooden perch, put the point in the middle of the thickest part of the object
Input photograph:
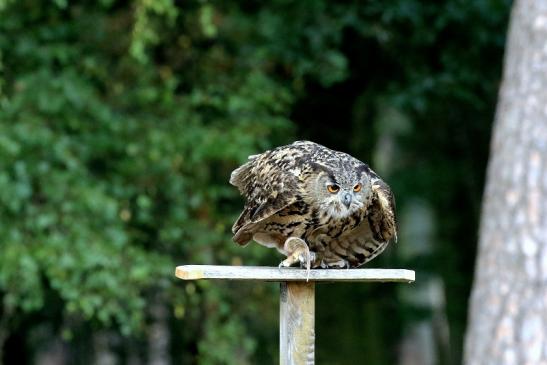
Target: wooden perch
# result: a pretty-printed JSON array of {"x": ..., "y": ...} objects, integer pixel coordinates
[
  {"x": 297, "y": 298},
  {"x": 261, "y": 273}
]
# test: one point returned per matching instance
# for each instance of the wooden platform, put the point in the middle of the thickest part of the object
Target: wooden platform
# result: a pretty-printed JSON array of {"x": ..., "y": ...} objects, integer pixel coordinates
[{"x": 264, "y": 273}]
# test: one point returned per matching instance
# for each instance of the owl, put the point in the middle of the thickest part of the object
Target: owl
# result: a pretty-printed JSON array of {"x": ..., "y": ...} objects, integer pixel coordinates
[{"x": 320, "y": 208}]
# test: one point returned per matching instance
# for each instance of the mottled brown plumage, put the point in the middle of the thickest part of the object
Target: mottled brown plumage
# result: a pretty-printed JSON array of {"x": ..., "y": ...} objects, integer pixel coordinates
[{"x": 317, "y": 206}]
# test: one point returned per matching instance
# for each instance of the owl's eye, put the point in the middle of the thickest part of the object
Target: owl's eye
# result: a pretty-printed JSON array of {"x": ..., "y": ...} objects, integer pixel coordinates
[
  {"x": 357, "y": 188},
  {"x": 333, "y": 188}
]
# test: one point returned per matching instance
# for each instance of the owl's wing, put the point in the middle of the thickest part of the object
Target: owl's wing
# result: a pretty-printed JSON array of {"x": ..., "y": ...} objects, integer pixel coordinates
[
  {"x": 269, "y": 183},
  {"x": 382, "y": 219},
  {"x": 254, "y": 213}
]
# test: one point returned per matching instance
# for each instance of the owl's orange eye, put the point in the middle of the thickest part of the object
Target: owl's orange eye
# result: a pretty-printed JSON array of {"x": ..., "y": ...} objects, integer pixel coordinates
[
  {"x": 357, "y": 188},
  {"x": 333, "y": 188}
]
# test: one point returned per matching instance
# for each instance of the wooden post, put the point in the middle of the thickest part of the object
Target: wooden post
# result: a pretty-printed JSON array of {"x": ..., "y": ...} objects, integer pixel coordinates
[
  {"x": 297, "y": 298},
  {"x": 297, "y": 323}
]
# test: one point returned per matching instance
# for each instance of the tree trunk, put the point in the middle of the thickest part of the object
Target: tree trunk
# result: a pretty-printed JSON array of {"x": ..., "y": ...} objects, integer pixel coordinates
[{"x": 508, "y": 312}]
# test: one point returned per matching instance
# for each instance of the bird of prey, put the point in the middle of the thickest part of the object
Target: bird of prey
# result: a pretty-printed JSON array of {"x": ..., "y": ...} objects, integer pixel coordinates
[{"x": 320, "y": 208}]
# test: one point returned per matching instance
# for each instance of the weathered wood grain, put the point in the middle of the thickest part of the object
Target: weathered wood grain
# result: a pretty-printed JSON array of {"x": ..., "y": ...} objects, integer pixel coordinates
[
  {"x": 297, "y": 323},
  {"x": 260, "y": 273}
]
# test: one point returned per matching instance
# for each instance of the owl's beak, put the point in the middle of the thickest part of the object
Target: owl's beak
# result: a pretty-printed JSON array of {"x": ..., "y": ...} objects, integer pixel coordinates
[{"x": 346, "y": 199}]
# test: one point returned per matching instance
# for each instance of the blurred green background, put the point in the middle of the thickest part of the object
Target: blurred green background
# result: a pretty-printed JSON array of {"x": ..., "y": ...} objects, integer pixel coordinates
[{"x": 120, "y": 123}]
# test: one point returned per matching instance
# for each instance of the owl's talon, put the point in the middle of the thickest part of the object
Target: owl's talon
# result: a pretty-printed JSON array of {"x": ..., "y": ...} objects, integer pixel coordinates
[
  {"x": 347, "y": 265},
  {"x": 288, "y": 262}
]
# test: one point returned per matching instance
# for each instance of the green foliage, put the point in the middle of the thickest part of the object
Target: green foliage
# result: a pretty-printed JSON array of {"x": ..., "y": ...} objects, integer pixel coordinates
[
  {"x": 120, "y": 124},
  {"x": 112, "y": 174}
]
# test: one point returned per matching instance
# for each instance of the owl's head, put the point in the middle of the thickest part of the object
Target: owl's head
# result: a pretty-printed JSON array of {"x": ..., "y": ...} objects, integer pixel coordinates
[{"x": 341, "y": 190}]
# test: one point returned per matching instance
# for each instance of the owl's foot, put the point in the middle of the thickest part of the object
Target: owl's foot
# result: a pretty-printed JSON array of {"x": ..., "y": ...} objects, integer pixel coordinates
[
  {"x": 298, "y": 251},
  {"x": 343, "y": 264}
]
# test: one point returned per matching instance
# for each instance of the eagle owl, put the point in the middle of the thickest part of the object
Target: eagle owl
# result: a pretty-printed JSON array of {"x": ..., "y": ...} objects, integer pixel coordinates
[{"x": 318, "y": 207}]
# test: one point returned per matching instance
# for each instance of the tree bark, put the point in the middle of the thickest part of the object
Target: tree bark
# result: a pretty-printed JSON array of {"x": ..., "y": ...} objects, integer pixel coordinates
[{"x": 508, "y": 311}]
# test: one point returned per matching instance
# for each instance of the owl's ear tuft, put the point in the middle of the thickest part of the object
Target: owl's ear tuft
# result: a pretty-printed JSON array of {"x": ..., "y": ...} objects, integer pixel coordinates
[{"x": 363, "y": 169}]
